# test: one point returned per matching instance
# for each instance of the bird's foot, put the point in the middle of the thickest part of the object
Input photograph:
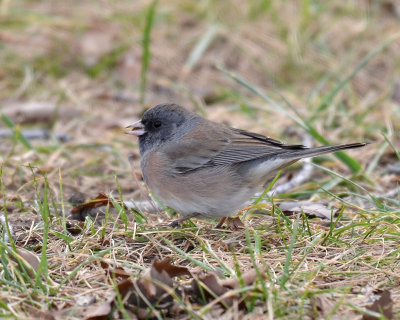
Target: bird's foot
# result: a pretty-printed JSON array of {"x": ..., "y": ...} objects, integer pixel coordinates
[
  {"x": 177, "y": 222},
  {"x": 232, "y": 223}
]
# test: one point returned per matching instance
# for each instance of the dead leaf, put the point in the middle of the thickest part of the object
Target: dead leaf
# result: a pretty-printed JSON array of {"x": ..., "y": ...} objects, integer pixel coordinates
[
  {"x": 314, "y": 209},
  {"x": 30, "y": 258},
  {"x": 100, "y": 201},
  {"x": 213, "y": 283},
  {"x": 75, "y": 228},
  {"x": 156, "y": 285},
  {"x": 172, "y": 270},
  {"x": 10, "y": 208},
  {"x": 101, "y": 311},
  {"x": 248, "y": 279},
  {"x": 217, "y": 287},
  {"x": 86, "y": 300},
  {"x": 150, "y": 286},
  {"x": 322, "y": 305},
  {"x": 39, "y": 314},
  {"x": 95, "y": 208},
  {"x": 116, "y": 271},
  {"x": 124, "y": 287},
  {"x": 383, "y": 306}
]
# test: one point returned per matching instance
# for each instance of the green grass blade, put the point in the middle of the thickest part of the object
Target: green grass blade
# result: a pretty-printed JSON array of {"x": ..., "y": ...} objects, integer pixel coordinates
[
  {"x": 286, "y": 274},
  {"x": 371, "y": 196},
  {"x": 201, "y": 47},
  {"x": 45, "y": 214},
  {"x": 185, "y": 255},
  {"x": 263, "y": 96},
  {"x": 84, "y": 263},
  {"x": 333, "y": 225},
  {"x": 350, "y": 162},
  {"x": 392, "y": 146},
  {"x": 17, "y": 134},
  {"x": 374, "y": 162},
  {"x": 107, "y": 61},
  {"x": 257, "y": 201},
  {"x": 146, "y": 50},
  {"x": 326, "y": 102}
]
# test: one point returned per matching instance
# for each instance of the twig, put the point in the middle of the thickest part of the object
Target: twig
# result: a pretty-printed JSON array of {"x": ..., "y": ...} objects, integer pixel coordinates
[{"x": 32, "y": 134}]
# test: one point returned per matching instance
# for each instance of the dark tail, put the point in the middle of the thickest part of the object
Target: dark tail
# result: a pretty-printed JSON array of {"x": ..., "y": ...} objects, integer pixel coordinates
[{"x": 312, "y": 152}]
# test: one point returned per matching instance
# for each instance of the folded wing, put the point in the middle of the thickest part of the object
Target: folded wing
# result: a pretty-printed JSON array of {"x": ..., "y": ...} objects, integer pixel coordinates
[{"x": 220, "y": 146}]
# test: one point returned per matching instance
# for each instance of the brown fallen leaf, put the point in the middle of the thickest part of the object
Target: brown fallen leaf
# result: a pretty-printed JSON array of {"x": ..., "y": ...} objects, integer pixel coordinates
[
  {"x": 314, "y": 209},
  {"x": 100, "y": 201},
  {"x": 116, "y": 271},
  {"x": 212, "y": 282},
  {"x": 248, "y": 278},
  {"x": 216, "y": 287},
  {"x": 322, "y": 305},
  {"x": 383, "y": 306},
  {"x": 74, "y": 227},
  {"x": 94, "y": 208},
  {"x": 9, "y": 207},
  {"x": 156, "y": 287},
  {"x": 39, "y": 314},
  {"x": 100, "y": 311},
  {"x": 29, "y": 258},
  {"x": 153, "y": 287},
  {"x": 172, "y": 270}
]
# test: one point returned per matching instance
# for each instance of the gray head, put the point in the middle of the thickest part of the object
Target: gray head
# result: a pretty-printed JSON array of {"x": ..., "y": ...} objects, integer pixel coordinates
[{"x": 162, "y": 123}]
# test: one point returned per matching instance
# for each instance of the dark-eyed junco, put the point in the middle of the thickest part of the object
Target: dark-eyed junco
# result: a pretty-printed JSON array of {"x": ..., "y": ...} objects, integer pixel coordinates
[{"x": 207, "y": 169}]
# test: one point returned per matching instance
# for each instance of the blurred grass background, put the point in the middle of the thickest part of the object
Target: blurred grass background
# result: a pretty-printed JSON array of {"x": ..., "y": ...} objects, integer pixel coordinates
[{"x": 84, "y": 69}]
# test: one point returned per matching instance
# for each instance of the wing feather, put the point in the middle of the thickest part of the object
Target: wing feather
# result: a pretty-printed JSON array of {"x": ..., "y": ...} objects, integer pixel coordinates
[{"x": 209, "y": 145}]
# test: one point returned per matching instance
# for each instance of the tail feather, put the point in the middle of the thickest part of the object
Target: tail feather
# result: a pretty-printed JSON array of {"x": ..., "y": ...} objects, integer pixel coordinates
[{"x": 312, "y": 152}]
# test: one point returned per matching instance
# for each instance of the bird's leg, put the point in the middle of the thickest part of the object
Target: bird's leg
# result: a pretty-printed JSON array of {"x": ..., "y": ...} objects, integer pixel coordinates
[
  {"x": 176, "y": 223},
  {"x": 221, "y": 222}
]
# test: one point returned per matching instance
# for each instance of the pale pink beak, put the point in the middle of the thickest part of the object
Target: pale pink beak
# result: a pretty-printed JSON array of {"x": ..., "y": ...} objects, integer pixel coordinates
[{"x": 137, "y": 129}]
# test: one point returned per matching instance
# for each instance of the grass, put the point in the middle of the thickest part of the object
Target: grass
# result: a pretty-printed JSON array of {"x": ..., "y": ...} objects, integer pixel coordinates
[
  {"x": 326, "y": 69},
  {"x": 146, "y": 50}
]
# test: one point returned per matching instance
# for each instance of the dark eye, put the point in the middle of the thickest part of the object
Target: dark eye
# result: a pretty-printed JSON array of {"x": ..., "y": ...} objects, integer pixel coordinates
[{"x": 157, "y": 124}]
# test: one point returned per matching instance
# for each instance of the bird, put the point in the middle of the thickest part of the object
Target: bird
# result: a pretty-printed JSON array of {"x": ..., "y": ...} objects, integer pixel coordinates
[{"x": 206, "y": 169}]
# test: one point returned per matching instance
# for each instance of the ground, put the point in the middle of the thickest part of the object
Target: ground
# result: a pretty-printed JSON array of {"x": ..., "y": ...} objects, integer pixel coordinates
[{"x": 73, "y": 74}]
